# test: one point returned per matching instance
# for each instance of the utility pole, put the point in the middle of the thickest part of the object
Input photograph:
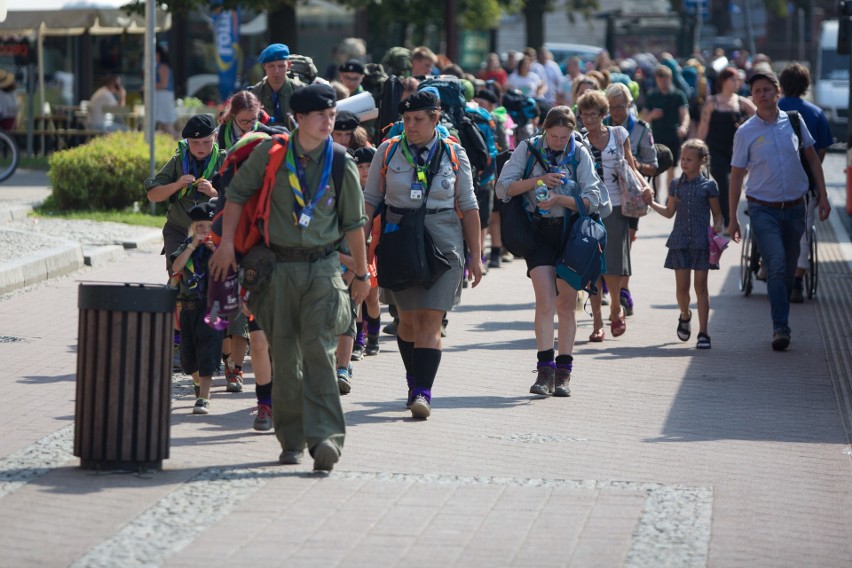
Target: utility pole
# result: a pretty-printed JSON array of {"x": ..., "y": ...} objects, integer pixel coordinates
[{"x": 450, "y": 19}]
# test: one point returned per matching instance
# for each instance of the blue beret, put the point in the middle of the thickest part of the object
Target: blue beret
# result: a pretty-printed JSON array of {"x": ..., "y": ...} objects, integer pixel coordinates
[
  {"x": 274, "y": 52},
  {"x": 313, "y": 97}
]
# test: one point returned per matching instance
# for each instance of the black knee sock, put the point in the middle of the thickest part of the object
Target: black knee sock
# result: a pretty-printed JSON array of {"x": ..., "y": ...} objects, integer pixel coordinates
[
  {"x": 426, "y": 362},
  {"x": 546, "y": 356},
  {"x": 406, "y": 350},
  {"x": 373, "y": 324},
  {"x": 495, "y": 252},
  {"x": 264, "y": 393}
]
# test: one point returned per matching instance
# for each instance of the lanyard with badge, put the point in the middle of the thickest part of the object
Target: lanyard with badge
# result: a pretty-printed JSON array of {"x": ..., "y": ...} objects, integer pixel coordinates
[
  {"x": 276, "y": 102},
  {"x": 420, "y": 182},
  {"x": 303, "y": 212}
]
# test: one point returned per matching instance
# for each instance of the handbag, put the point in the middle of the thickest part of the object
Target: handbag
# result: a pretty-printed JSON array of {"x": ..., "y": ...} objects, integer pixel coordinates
[
  {"x": 630, "y": 184},
  {"x": 582, "y": 261},
  {"x": 516, "y": 229},
  {"x": 406, "y": 256}
]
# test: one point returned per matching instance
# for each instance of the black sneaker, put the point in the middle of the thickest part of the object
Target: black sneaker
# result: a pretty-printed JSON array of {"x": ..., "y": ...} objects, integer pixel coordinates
[
  {"x": 494, "y": 262},
  {"x": 357, "y": 352},
  {"x": 372, "y": 347},
  {"x": 780, "y": 340},
  {"x": 391, "y": 328},
  {"x": 796, "y": 296},
  {"x": 544, "y": 383}
]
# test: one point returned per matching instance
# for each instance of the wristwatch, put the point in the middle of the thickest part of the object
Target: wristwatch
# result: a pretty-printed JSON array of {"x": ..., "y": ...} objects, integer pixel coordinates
[{"x": 363, "y": 277}]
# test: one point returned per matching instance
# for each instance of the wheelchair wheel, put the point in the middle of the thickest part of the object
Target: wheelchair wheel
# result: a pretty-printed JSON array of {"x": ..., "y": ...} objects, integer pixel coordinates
[
  {"x": 812, "y": 273},
  {"x": 746, "y": 262}
]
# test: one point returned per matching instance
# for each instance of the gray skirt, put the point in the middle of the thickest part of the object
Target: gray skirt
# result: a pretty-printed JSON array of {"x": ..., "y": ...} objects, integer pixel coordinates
[
  {"x": 617, "y": 251},
  {"x": 446, "y": 231}
]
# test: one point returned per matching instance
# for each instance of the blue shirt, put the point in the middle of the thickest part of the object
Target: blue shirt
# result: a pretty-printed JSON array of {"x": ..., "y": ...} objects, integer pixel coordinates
[
  {"x": 770, "y": 153},
  {"x": 814, "y": 118}
]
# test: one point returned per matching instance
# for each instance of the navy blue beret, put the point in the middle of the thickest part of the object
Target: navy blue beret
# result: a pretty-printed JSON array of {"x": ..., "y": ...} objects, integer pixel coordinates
[
  {"x": 364, "y": 155},
  {"x": 199, "y": 126},
  {"x": 352, "y": 66},
  {"x": 346, "y": 121},
  {"x": 420, "y": 100},
  {"x": 313, "y": 97}
]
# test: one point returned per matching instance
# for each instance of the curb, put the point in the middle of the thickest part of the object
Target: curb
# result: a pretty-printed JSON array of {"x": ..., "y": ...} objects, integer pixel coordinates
[
  {"x": 15, "y": 212},
  {"x": 155, "y": 239},
  {"x": 96, "y": 256},
  {"x": 41, "y": 266}
]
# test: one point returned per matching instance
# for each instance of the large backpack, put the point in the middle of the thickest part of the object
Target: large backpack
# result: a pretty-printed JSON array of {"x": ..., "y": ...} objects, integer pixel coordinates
[
  {"x": 303, "y": 68},
  {"x": 484, "y": 122},
  {"x": 254, "y": 219},
  {"x": 388, "y": 103},
  {"x": 521, "y": 108}
]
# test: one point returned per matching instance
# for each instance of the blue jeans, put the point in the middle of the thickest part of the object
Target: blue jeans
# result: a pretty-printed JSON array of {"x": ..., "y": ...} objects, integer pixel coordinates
[{"x": 777, "y": 233}]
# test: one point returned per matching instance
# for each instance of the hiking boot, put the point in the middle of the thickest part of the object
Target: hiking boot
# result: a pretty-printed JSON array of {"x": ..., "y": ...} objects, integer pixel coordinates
[
  {"x": 391, "y": 328},
  {"x": 626, "y": 302},
  {"x": 202, "y": 406},
  {"x": 234, "y": 380},
  {"x": 325, "y": 455},
  {"x": 291, "y": 457},
  {"x": 420, "y": 407},
  {"x": 543, "y": 385},
  {"x": 263, "y": 420},
  {"x": 358, "y": 352},
  {"x": 780, "y": 340},
  {"x": 563, "y": 377},
  {"x": 344, "y": 380},
  {"x": 372, "y": 345}
]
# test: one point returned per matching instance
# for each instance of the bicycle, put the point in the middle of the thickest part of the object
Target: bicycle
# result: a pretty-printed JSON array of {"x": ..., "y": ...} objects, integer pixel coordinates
[
  {"x": 750, "y": 262},
  {"x": 9, "y": 156}
]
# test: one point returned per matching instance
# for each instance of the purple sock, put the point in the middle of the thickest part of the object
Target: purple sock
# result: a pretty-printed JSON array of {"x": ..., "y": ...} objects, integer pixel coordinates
[
  {"x": 359, "y": 339},
  {"x": 551, "y": 364},
  {"x": 569, "y": 366},
  {"x": 373, "y": 329},
  {"x": 424, "y": 392}
]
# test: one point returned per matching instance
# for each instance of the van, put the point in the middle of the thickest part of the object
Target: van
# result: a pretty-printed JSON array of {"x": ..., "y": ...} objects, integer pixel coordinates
[{"x": 831, "y": 81}]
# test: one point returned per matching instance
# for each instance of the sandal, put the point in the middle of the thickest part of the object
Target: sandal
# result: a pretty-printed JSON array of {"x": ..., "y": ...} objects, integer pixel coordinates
[
  {"x": 683, "y": 330},
  {"x": 703, "y": 341},
  {"x": 618, "y": 326},
  {"x": 597, "y": 336}
]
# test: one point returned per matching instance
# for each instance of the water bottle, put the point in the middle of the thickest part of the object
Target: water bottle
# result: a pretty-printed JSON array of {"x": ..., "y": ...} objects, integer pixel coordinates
[{"x": 541, "y": 193}]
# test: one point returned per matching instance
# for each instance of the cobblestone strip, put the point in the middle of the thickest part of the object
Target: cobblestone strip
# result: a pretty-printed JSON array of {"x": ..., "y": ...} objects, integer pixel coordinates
[
  {"x": 38, "y": 458},
  {"x": 177, "y": 519},
  {"x": 834, "y": 315}
]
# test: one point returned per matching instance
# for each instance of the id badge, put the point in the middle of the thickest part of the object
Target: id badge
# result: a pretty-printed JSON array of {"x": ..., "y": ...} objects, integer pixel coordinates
[
  {"x": 417, "y": 191},
  {"x": 305, "y": 219}
]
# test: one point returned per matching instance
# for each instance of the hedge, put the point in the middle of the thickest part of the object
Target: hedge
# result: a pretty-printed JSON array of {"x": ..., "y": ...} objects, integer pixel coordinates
[{"x": 106, "y": 173}]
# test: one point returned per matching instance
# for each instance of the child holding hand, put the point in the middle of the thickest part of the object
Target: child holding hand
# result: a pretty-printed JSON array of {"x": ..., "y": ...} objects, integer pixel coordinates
[
  {"x": 200, "y": 344},
  {"x": 692, "y": 198}
]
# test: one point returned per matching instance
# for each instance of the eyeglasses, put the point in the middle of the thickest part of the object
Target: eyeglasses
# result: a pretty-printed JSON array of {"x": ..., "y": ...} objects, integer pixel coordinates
[
  {"x": 589, "y": 114},
  {"x": 246, "y": 121}
]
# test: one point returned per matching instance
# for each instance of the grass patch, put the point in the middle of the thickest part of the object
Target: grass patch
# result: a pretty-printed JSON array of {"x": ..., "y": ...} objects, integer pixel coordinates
[
  {"x": 127, "y": 217},
  {"x": 34, "y": 163}
]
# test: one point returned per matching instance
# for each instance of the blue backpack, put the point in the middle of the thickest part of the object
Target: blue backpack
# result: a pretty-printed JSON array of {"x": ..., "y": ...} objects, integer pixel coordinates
[
  {"x": 484, "y": 122},
  {"x": 582, "y": 260}
]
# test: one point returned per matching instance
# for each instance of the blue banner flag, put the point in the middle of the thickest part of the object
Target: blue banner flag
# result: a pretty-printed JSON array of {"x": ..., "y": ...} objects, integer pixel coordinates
[{"x": 226, "y": 29}]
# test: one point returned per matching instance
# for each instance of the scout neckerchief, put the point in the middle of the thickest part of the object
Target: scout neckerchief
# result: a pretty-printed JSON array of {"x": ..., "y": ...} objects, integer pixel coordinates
[
  {"x": 303, "y": 211},
  {"x": 422, "y": 179},
  {"x": 189, "y": 166},
  {"x": 230, "y": 133},
  {"x": 198, "y": 280},
  {"x": 550, "y": 155}
]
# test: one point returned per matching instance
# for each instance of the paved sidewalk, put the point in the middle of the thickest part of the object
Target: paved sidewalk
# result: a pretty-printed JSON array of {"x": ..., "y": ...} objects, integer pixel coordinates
[{"x": 664, "y": 455}]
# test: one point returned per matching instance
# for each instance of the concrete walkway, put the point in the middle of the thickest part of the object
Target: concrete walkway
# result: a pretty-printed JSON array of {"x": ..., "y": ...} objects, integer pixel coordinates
[{"x": 664, "y": 456}]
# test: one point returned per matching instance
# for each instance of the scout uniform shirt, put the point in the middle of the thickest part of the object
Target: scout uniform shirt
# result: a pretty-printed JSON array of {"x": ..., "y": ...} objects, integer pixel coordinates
[
  {"x": 171, "y": 172},
  {"x": 264, "y": 93},
  {"x": 340, "y": 210}
]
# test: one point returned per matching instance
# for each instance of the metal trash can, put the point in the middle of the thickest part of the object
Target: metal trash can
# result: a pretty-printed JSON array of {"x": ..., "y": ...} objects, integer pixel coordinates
[{"x": 124, "y": 363}]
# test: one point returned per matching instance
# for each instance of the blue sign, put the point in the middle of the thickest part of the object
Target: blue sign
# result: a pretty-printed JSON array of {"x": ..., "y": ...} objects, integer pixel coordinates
[
  {"x": 226, "y": 28},
  {"x": 701, "y": 7}
]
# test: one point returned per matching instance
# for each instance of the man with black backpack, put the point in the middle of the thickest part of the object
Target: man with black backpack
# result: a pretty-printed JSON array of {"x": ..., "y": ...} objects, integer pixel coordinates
[
  {"x": 276, "y": 88},
  {"x": 766, "y": 146},
  {"x": 302, "y": 303}
]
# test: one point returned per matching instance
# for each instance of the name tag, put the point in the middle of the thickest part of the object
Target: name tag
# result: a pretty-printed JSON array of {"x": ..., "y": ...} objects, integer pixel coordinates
[
  {"x": 305, "y": 219},
  {"x": 417, "y": 191}
]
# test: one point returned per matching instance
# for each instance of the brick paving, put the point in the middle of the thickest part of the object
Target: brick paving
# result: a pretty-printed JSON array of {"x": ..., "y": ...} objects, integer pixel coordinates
[{"x": 664, "y": 455}]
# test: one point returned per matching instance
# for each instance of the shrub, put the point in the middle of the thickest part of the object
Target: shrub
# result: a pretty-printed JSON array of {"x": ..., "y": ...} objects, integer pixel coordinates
[{"x": 107, "y": 172}]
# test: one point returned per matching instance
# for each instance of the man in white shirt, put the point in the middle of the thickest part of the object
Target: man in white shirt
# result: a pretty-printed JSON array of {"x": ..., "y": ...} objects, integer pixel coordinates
[{"x": 111, "y": 94}]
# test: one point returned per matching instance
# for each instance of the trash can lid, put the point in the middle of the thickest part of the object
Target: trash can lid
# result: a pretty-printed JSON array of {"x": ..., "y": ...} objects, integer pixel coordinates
[{"x": 126, "y": 297}]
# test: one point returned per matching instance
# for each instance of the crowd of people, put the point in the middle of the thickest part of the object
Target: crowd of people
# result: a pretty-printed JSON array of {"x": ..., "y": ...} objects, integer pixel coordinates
[{"x": 401, "y": 210}]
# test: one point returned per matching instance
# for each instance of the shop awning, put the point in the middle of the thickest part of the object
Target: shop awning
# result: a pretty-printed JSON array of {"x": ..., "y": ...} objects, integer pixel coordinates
[{"x": 69, "y": 17}]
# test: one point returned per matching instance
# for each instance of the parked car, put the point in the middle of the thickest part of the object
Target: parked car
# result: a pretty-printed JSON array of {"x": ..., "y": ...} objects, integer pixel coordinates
[
  {"x": 562, "y": 52},
  {"x": 831, "y": 81}
]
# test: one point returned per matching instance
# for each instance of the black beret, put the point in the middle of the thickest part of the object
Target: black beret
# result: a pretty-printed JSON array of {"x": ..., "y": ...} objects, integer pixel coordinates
[
  {"x": 313, "y": 97},
  {"x": 364, "y": 155},
  {"x": 420, "y": 100},
  {"x": 201, "y": 212},
  {"x": 487, "y": 95},
  {"x": 346, "y": 121},
  {"x": 352, "y": 66},
  {"x": 199, "y": 126}
]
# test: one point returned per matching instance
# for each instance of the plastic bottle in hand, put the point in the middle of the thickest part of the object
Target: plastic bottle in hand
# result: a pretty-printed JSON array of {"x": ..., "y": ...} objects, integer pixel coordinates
[{"x": 541, "y": 193}]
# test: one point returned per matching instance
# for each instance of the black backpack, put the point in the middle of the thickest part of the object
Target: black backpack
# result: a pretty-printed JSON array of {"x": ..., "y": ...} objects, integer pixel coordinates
[
  {"x": 388, "y": 103},
  {"x": 796, "y": 123}
]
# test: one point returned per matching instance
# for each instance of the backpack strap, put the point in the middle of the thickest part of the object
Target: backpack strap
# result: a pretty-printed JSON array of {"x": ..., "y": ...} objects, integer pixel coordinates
[
  {"x": 277, "y": 153},
  {"x": 796, "y": 123},
  {"x": 338, "y": 167},
  {"x": 533, "y": 154}
]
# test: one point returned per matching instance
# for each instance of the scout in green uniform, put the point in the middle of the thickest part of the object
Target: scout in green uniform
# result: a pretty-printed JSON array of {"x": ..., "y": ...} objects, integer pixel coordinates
[
  {"x": 185, "y": 179},
  {"x": 275, "y": 89},
  {"x": 304, "y": 305},
  {"x": 351, "y": 75}
]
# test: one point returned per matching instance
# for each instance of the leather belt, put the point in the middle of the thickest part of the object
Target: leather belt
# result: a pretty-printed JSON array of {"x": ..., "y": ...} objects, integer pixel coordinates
[
  {"x": 776, "y": 204},
  {"x": 403, "y": 211},
  {"x": 189, "y": 304},
  {"x": 293, "y": 254}
]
